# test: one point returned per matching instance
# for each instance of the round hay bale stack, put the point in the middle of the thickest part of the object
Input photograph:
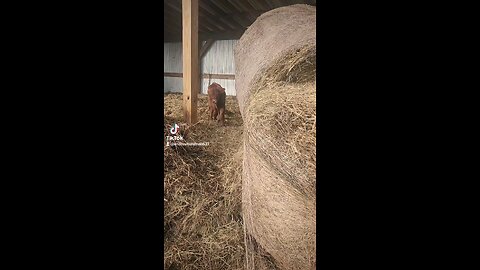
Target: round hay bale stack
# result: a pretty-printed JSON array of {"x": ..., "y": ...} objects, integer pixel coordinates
[{"x": 275, "y": 83}]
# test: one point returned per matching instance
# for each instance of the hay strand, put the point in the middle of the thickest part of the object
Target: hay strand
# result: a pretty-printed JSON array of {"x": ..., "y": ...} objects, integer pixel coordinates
[{"x": 276, "y": 89}]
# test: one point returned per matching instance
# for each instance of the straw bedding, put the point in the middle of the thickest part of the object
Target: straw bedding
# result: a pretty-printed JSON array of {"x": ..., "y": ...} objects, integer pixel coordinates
[{"x": 203, "y": 226}]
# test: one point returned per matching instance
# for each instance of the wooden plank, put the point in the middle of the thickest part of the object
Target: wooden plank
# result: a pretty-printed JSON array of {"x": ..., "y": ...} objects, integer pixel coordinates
[
  {"x": 173, "y": 74},
  {"x": 219, "y": 76},
  {"x": 212, "y": 22},
  {"x": 218, "y": 14},
  {"x": 240, "y": 21},
  {"x": 238, "y": 7},
  {"x": 173, "y": 6},
  {"x": 205, "y": 47},
  {"x": 205, "y": 7},
  {"x": 172, "y": 22},
  {"x": 223, "y": 35},
  {"x": 204, "y": 76},
  {"x": 266, "y": 4},
  {"x": 220, "y": 35},
  {"x": 277, "y": 3},
  {"x": 221, "y": 6},
  {"x": 245, "y": 19},
  {"x": 190, "y": 60},
  {"x": 229, "y": 22},
  {"x": 203, "y": 23},
  {"x": 258, "y": 5}
]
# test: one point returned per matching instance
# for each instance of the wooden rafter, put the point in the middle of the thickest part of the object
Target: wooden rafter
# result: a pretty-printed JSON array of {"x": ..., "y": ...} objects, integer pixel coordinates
[
  {"x": 218, "y": 18},
  {"x": 205, "y": 47}
]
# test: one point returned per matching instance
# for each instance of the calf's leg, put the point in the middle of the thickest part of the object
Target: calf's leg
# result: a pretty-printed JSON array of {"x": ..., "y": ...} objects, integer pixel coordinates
[{"x": 221, "y": 116}]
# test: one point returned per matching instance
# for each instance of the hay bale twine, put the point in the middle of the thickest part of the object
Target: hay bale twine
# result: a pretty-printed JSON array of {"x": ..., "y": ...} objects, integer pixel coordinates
[{"x": 275, "y": 83}]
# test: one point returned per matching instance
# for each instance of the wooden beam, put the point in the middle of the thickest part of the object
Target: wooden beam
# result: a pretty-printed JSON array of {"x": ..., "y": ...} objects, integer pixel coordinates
[
  {"x": 231, "y": 23},
  {"x": 173, "y": 6},
  {"x": 276, "y": 3},
  {"x": 217, "y": 10},
  {"x": 223, "y": 35},
  {"x": 204, "y": 76},
  {"x": 172, "y": 23},
  {"x": 258, "y": 5},
  {"x": 237, "y": 5},
  {"x": 245, "y": 19},
  {"x": 190, "y": 60},
  {"x": 220, "y": 35},
  {"x": 213, "y": 22},
  {"x": 266, "y": 3},
  {"x": 220, "y": 5},
  {"x": 219, "y": 76},
  {"x": 205, "y": 47},
  {"x": 205, "y": 7},
  {"x": 173, "y": 74},
  {"x": 203, "y": 23}
]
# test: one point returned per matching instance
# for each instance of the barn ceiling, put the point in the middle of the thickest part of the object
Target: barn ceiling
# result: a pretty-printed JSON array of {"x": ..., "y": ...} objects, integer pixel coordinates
[{"x": 220, "y": 19}]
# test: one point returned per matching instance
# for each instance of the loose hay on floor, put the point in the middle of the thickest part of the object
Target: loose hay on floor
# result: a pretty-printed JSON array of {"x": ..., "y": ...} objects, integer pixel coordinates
[{"x": 202, "y": 190}]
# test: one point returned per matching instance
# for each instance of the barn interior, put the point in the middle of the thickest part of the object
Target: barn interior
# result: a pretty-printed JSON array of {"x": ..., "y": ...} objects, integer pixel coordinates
[
  {"x": 220, "y": 19},
  {"x": 220, "y": 24},
  {"x": 203, "y": 223}
]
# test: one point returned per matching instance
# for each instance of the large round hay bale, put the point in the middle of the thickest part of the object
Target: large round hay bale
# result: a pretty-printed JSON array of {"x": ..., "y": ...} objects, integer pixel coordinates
[{"x": 275, "y": 83}]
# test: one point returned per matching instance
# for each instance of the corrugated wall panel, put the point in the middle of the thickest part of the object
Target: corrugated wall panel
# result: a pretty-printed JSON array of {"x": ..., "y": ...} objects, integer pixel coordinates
[
  {"x": 172, "y": 57},
  {"x": 172, "y": 84},
  {"x": 229, "y": 86},
  {"x": 218, "y": 60}
]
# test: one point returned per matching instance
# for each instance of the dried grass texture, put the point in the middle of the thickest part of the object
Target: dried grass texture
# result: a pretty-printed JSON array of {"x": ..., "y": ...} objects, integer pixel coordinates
[
  {"x": 275, "y": 84},
  {"x": 276, "y": 35},
  {"x": 203, "y": 225}
]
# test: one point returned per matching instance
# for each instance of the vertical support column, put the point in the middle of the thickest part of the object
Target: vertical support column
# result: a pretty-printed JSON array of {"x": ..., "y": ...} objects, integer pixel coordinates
[{"x": 191, "y": 76}]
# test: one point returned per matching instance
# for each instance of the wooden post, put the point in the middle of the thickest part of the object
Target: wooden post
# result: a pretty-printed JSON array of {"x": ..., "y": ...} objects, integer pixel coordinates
[{"x": 190, "y": 59}]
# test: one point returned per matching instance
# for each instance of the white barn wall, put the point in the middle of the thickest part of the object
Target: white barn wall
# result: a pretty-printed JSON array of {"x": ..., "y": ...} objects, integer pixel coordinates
[
  {"x": 172, "y": 54},
  {"x": 172, "y": 84},
  {"x": 229, "y": 86},
  {"x": 218, "y": 60},
  {"x": 172, "y": 57}
]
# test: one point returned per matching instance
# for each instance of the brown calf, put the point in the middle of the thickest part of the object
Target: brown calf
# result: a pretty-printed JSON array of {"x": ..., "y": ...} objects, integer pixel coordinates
[{"x": 216, "y": 102}]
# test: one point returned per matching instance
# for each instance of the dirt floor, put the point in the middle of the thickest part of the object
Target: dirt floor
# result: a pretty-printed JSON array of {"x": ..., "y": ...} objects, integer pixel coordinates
[{"x": 202, "y": 190}]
